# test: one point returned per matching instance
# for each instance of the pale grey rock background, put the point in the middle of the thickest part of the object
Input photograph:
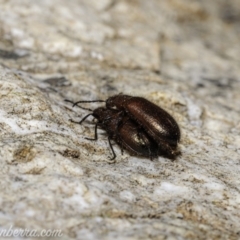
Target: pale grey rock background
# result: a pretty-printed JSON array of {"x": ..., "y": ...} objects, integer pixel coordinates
[{"x": 180, "y": 54}]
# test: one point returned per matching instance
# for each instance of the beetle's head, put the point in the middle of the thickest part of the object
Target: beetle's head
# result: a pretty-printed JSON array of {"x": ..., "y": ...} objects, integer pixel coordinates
[{"x": 103, "y": 114}]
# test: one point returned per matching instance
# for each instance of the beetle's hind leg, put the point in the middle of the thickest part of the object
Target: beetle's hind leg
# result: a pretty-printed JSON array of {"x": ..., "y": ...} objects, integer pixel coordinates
[
  {"x": 112, "y": 160},
  {"x": 95, "y": 133}
]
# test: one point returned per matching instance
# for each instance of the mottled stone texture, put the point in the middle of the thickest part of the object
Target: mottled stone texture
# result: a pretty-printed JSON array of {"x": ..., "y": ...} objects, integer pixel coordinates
[{"x": 181, "y": 54}]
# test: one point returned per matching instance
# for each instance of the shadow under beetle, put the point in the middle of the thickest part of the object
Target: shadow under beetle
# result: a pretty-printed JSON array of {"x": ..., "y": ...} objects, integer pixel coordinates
[{"x": 137, "y": 125}]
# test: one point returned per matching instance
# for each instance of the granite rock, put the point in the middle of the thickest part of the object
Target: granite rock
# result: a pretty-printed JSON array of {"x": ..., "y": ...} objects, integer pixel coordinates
[{"x": 183, "y": 55}]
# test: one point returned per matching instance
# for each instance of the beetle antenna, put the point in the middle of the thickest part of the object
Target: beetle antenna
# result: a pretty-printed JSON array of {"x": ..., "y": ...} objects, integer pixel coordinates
[
  {"x": 82, "y": 120},
  {"x": 75, "y": 104}
]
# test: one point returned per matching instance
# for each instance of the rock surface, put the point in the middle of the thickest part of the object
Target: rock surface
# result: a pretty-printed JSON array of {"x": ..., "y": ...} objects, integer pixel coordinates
[{"x": 181, "y": 54}]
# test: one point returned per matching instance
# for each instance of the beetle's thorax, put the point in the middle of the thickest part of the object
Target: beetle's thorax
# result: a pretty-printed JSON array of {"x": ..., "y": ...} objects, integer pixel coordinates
[{"x": 117, "y": 101}]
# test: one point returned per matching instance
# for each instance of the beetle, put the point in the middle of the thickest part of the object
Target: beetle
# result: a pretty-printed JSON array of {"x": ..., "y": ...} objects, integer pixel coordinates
[
  {"x": 127, "y": 133},
  {"x": 157, "y": 123}
]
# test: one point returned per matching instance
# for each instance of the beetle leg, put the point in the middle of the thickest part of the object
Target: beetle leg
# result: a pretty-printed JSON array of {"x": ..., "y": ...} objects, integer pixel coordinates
[
  {"x": 121, "y": 146},
  {"x": 150, "y": 153},
  {"x": 121, "y": 149},
  {"x": 114, "y": 155},
  {"x": 120, "y": 124},
  {"x": 95, "y": 134}
]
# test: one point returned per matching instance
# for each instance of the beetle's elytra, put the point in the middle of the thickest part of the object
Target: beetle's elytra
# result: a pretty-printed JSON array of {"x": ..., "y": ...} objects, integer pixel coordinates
[
  {"x": 125, "y": 132},
  {"x": 159, "y": 124},
  {"x": 137, "y": 125}
]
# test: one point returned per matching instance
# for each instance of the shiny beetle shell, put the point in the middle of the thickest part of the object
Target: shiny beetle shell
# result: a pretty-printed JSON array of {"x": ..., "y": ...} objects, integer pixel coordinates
[
  {"x": 126, "y": 132},
  {"x": 137, "y": 125},
  {"x": 159, "y": 124}
]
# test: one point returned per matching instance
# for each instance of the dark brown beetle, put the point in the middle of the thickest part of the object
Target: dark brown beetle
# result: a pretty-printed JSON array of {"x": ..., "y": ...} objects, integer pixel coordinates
[
  {"x": 124, "y": 131},
  {"x": 126, "y": 117},
  {"x": 159, "y": 124}
]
